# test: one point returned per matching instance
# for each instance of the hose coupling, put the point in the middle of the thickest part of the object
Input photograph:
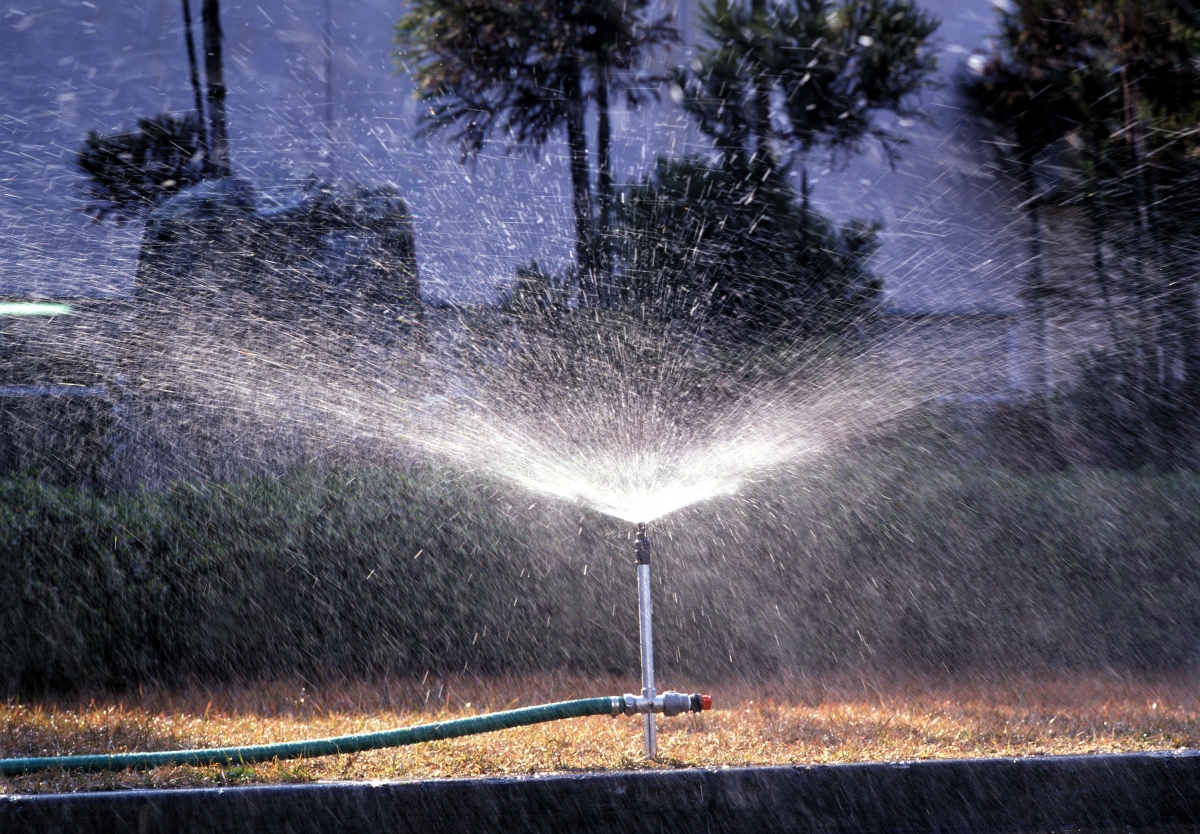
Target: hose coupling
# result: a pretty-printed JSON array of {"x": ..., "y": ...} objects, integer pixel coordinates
[{"x": 668, "y": 703}]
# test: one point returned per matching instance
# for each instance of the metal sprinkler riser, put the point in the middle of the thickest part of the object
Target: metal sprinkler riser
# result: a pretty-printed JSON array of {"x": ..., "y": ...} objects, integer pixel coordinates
[
  {"x": 649, "y": 702},
  {"x": 641, "y": 550}
]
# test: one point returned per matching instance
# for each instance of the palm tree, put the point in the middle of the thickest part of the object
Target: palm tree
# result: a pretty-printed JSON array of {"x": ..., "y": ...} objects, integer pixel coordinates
[
  {"x": 526, "y": 70},
  {"x": 618, "y": 37},
  {"x": 784, "y": 78},
  {"x": 130, "y": 172},
  {"x": 506, "y": 67},
  {"x": 728, "y": 242}
]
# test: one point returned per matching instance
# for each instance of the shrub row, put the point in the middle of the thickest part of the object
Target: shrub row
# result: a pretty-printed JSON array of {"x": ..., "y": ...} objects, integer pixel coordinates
[{"x": 886, "y": 561}]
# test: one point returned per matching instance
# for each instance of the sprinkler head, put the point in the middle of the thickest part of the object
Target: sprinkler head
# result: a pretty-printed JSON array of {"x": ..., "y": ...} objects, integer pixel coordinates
[{"x": 641, "y": 546}]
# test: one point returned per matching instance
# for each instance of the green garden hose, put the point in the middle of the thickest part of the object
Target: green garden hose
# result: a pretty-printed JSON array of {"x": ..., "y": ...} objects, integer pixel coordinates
[{"x": 324, "y": 746}]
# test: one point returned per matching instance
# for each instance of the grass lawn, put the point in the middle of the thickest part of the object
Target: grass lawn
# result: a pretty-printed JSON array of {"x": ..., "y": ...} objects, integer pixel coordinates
[{"x": 797, "y": 720}]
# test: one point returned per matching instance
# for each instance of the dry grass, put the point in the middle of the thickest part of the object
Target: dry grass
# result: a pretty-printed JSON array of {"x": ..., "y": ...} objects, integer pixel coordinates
[{"x": 779, "y": 721}]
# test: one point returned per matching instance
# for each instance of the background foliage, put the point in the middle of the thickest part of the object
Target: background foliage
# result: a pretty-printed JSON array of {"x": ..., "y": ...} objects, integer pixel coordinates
[
  {"x": 890, "y": 562},
  {"x": 130, "y": 173}
]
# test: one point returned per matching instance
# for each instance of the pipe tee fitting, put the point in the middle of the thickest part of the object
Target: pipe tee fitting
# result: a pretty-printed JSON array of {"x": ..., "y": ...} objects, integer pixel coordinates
[{"x": 668, "y": 703}]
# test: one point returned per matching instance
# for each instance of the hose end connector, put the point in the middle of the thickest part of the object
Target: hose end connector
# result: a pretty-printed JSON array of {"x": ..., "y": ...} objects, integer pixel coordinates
[{"x": 700, "y": 703}]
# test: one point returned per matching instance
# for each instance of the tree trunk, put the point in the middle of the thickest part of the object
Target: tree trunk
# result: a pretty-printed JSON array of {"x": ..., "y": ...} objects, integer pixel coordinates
[
  {"x": 760, "y": 108},
  {"x": 1095, "y": 213},
  {"x": 214, "y": 74},
  {"x": 804, "y": 199},
  {"x": 1150, "y": 349},
  {"x": 581, "y": 195},
  {"x": 604, "y": 182},
  {"x": 1144, "y": 287},
  {"x": 195, "y": 71},
  {"x": 1034, "y": 291},
  {"x": 327, "y": 48}
]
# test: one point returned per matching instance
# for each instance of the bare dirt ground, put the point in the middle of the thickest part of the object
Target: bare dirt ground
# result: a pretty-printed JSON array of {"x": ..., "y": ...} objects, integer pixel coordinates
[{"x": 796, "y": 720}]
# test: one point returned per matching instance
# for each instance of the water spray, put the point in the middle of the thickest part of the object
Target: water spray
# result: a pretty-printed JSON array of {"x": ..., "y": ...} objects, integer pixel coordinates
[{"x": 648, "y": 705}]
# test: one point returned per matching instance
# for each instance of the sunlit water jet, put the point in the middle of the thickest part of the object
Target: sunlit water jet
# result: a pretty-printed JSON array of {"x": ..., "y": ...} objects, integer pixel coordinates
[
  {"x": 668, "y": 467},
  {"x": 630, "y": 485},
  {"x": 634, "y": 443}
]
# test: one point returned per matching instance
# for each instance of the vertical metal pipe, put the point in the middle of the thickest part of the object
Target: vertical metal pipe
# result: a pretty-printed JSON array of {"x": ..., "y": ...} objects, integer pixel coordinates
[{"x": 641, "y": 548}]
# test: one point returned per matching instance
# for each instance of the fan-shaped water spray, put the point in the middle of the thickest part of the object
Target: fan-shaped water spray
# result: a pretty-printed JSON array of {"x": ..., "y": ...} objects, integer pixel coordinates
[{"x": 671, "y": 464}]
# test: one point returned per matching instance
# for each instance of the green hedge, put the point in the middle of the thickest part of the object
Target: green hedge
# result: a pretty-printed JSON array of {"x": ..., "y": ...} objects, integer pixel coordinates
[{"x": 887, "y": 562}]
